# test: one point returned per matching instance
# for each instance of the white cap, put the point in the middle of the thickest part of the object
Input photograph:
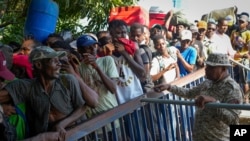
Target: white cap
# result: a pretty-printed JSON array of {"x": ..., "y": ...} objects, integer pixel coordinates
[
  {"x": 194, "y": 28},
  {"x": 186, "y": 35}
]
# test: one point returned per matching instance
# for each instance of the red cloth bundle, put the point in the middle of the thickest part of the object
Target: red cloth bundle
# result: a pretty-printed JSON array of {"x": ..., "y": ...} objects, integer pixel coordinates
[
  {"x": 128, "y": 45},
  {"x": 23, "y": 61}
]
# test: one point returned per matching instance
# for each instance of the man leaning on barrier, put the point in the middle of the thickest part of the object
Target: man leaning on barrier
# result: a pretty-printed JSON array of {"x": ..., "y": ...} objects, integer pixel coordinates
[
  {"x": 212, "y": 124},
  {"x": 51, "y": 106}
]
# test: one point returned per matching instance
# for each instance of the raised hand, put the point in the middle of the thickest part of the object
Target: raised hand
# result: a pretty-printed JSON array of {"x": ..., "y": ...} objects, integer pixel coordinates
[
  {"x": 66, "y": 66},
  {"x": 171, "y": 66},
  {"x": 89, "y": 59},
  {"x": 119, "y": 47},
  {"x": 8, "y": 109}
]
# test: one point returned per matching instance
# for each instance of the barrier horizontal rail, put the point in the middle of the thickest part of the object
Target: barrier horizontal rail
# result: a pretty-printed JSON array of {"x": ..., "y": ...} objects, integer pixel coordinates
[
  {"x": 239, "y": 64},
  {"x": 191, "y": 103}
]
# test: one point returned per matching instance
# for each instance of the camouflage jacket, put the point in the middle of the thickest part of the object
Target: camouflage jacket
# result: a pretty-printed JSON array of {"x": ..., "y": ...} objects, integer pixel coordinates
[{"x": 212, "y": 124}]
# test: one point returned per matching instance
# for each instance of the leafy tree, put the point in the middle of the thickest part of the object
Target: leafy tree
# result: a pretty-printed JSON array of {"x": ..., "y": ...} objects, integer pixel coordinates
[{"x": 13, "y": 14}]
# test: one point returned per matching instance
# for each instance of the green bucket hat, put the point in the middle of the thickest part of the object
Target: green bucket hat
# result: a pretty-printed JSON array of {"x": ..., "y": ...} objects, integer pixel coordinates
[
  {"x": 44, "y": 52},
  {"x": 218, "y": 59}
]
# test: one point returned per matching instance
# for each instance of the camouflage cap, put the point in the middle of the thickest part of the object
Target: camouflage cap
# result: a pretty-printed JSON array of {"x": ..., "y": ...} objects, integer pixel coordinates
[
  {"x": 217, "y": 59},
  {"x": 43, "y": 52}
]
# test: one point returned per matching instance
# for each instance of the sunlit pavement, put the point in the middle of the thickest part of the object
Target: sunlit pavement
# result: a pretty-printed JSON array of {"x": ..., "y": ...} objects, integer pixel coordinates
[{"x": 245, "y": 117}]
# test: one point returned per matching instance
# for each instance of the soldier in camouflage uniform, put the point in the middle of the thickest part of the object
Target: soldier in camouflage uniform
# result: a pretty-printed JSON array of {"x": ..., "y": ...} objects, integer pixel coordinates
[{"x": 212, "y": 124}]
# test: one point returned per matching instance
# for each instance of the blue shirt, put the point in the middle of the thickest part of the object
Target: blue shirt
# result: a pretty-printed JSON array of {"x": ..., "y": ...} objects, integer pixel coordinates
[{"x": 190, "y": 55}]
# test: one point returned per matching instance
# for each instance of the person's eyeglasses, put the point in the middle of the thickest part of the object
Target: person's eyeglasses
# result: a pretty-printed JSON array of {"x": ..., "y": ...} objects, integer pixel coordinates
[{"x": 213, "y": 29}]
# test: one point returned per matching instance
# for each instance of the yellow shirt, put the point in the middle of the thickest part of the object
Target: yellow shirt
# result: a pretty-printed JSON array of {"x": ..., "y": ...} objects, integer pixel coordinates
[{"x": 245, "y": 36}]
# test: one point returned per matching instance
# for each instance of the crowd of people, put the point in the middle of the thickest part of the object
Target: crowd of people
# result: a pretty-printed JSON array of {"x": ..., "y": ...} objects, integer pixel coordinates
[{"x": 53, "y": 85}]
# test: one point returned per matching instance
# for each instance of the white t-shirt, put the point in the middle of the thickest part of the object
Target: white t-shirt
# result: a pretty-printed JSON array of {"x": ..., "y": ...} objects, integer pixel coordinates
[
  {"x": 159, "y": 63},
  {"x": 223, "y": 44},
  {"x": 128, "y": 85}
]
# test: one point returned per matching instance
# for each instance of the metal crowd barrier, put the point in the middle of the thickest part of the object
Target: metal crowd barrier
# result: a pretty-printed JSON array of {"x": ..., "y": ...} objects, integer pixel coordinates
[
  {"x": 150, "y": 117},
  {"x": 140, "y": 121},
  {"x": 191, "y": 103}
]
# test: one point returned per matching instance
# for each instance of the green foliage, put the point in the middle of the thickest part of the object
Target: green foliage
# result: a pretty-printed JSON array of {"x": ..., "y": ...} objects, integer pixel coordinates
[
  {"x": 12, "y": 19},
  {"x": 96, "y": 12}
]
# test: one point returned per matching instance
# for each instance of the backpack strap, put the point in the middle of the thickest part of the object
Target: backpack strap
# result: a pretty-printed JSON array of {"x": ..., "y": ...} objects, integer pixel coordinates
[
  {"x": 159, "y": 81},
  {"x": 146, "y": 49},
  {"x": 171, "y": 54}
]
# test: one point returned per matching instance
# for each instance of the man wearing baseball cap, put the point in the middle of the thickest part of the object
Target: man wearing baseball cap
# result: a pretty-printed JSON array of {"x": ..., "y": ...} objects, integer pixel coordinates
[
  {"x": 50, "y": 104},
  {"x": 197, "y": 44},
  {"x": 99, "y": 74},
  {"x": 177, "y": 34},
  {"x": 187, "y": 54},
  {"x": 212, "y": 123},
  {"x": 202, "y": 28},
  {"x": 156, "y": 29}
]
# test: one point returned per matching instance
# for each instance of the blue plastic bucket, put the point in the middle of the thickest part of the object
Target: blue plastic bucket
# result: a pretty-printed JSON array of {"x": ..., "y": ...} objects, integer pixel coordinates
[{"x": 41, "y": 19}]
